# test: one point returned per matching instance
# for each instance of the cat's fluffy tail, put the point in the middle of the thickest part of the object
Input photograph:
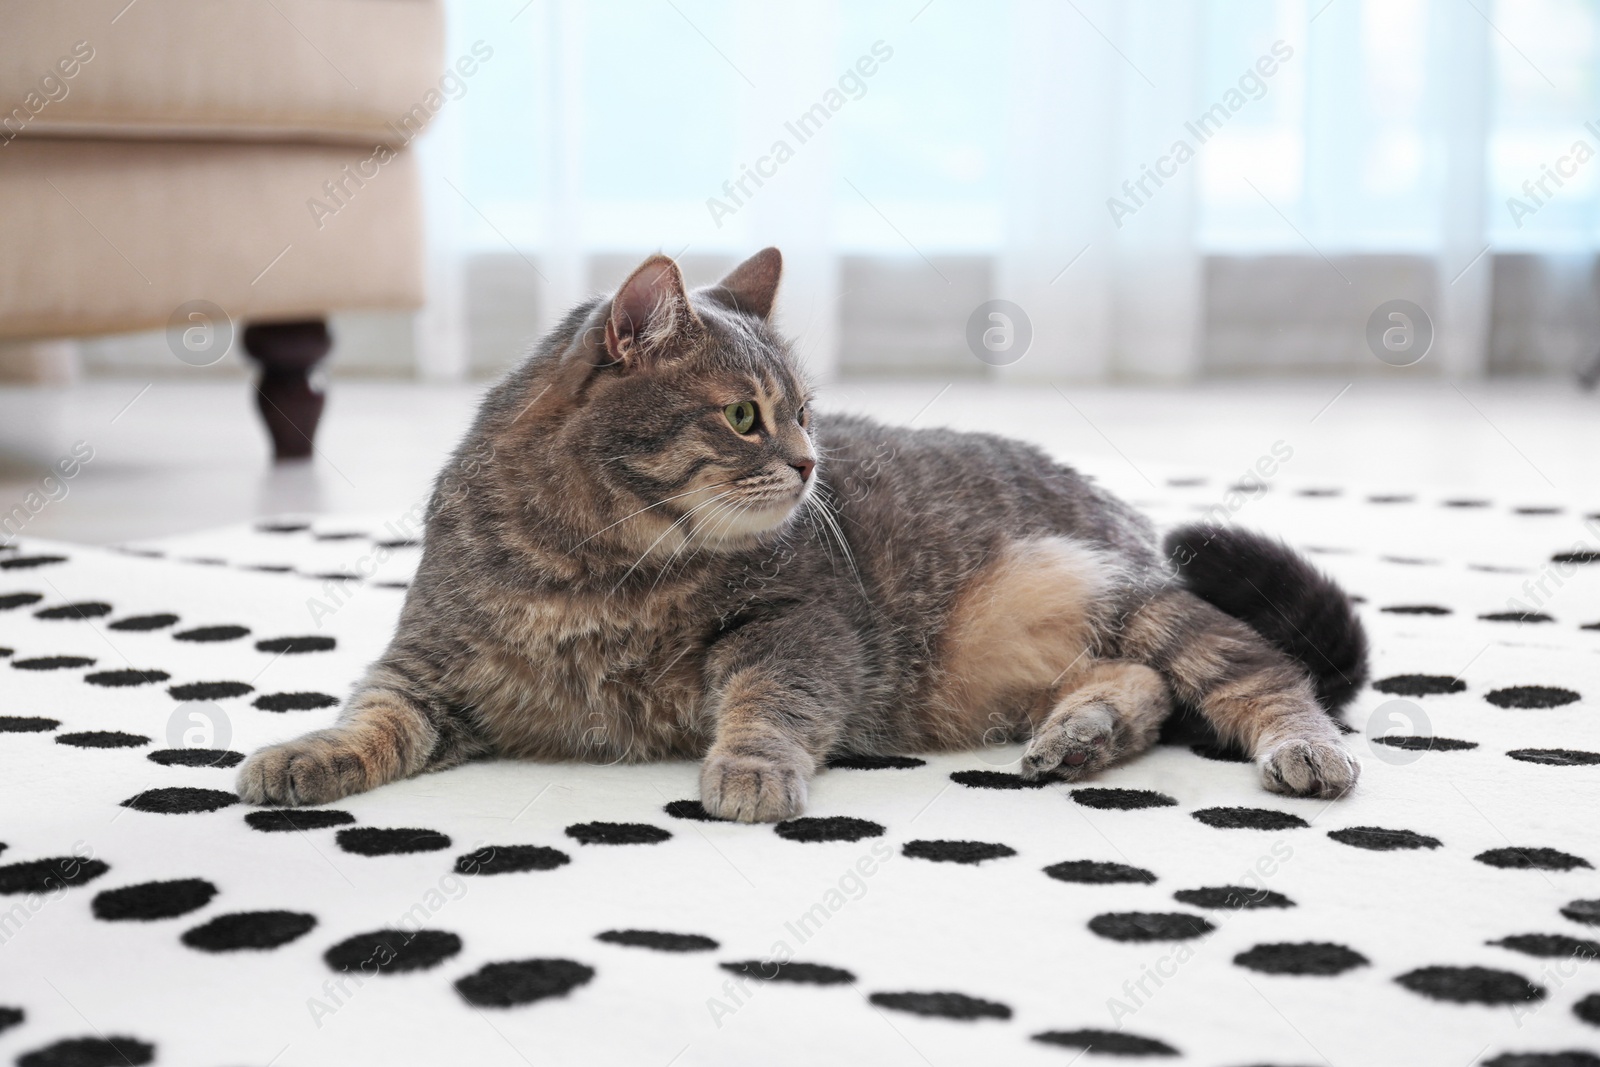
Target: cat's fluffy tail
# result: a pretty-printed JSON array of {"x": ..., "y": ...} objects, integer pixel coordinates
[{"x": 1298, "y": 609}]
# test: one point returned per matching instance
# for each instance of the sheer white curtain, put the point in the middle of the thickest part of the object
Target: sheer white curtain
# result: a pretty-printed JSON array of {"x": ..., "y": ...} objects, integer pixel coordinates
[{"x": 1094, "y": 158}]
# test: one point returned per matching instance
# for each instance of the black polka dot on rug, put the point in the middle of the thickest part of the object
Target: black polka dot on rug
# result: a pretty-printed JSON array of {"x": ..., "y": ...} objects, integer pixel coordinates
[
  {"x": 1531, "y": 859},
  {"x": 511, "y": 859},
  {"x": 995, "y": 780},
  {"x": 339, "y": 535},
  {"x": 1411, "y": 561},
  {"x": 1150, "y": 926},
  {"x": 874, "y": 763},
  {"x": 1471, "y": 985},
  {"x": 283, "y": 527},
  {"x": 1325, "y": 493},
  {"x": 85, "y": 609},
  {"x": 1419, "y": 685},
  {"x": 284, "y": 820},
  {"x": 153, "y": 900},
  {"x": 1570, "y": 1058},
  {"x": 658, "y": 940},
  {"x": 143, "y": 623},
  {"x": 1586, "y": 555},
  {"x": 392, "y": 951},
  {"x": 691, "y": 809},
  {"x": 1590, "y": 626},
  {"x": 268, "y": 568},
  {"x": 1377, "y": 839},
  {"x": 1420, "y": 743},
  {"x": 4, "y": 652},
  {"x": 196, "y": 757},
  {"x": 1531, "y": 696},
  {"x": 1098, "y": 872},
  {"x": 1539, "y": 509},
  {"x": 942, "y": 1005},
  {"x": 506, "y": 985},
  {"x": 10, "y": 1017},
  {"x": 1517, "y": 616},
  {"x": 113, "y": 1051},
  {"x": 333, "y": 576},
  {"x": 957, "y": 851},
  {"x": 390, "y": 841},
  {"x": 296, "y": 645},
  {"x": 1415, "y": 609},
  {"x": 44, "y": 876},
  {"x": 1391, "y": 498},
  {"x": 400, "y": 542},
  {"x": 102, "y": 739},
  {"x": 1249, "y": 819},
  {"x": 21, "y": 563},
  {"x": 1221, "y": 751},
  {"x": 1555, "y": 757},
  {"x": 207, "y": 634},
  {"x": 1550, "y": 946},
  {"x": 123, "y": 678},
  {"x": 52, "y": 663},
  {"x": 19, "y": 600},
  {"x": 791, "y": 971},
  {"x": 1583, "y": 911},
  {"x": 180, "y": 800},
  {"x": 1122, "y": 799},
  {"x": 1237, "y": 897},
  {"x": 210, "y": 690},
  {"x": 391, "y": 585},
  {"x": 828, "y": 828},
  {"x": 1307, "y": 957},
  {"x": 1108, "y": 1042},
  {"x": 26, "y": 724},
  {"x": 1587, "y": 1009},
  {"x": 617, "y": 833},
  {"x": 294, "y": 701}
]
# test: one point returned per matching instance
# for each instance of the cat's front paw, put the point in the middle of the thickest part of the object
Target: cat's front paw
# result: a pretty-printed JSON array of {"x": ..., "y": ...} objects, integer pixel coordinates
[
  {"x": 1072, "y": 745},
  {"x": 751, "y": 788},
  {"x": 1300, "y": 768},
  {"x": 315, "y": 769}
]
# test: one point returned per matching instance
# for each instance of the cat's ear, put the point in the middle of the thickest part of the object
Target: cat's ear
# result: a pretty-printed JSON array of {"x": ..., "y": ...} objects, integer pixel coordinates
[
  {"x": 649, "y": 310},
  {"x": 752, "y": 286}
]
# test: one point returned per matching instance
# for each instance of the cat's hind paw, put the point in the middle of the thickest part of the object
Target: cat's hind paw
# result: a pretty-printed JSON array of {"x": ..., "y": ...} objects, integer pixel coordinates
[
  {"x": 1300, "y": 768},
  {"x": 1072, "y": 745}
]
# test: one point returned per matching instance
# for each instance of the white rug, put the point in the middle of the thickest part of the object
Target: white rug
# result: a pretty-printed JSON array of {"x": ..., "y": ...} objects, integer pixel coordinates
[{"x": 1098, "y": 920}]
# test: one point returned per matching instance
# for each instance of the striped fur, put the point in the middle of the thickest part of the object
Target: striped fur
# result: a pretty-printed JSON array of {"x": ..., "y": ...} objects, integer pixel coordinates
[{"x": 612, "y": 573}]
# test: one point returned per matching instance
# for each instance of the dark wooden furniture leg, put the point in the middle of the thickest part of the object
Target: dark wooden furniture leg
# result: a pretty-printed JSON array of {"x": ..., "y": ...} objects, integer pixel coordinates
[{"x": 287, "y": 351}]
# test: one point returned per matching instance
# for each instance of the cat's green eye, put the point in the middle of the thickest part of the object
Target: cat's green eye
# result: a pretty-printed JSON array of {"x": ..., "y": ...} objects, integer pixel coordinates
[{"x": 741, "y": 416}]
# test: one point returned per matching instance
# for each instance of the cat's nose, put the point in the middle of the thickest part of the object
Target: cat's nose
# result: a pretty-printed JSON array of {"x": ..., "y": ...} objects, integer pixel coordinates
[{"x": 804, "y": 466}]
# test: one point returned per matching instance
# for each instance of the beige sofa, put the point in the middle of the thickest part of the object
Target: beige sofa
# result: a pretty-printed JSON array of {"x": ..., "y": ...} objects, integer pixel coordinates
[{"x": 212, "y": 165}]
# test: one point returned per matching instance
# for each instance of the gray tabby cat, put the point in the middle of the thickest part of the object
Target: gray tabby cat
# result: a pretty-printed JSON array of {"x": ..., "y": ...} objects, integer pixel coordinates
[{"x": 649, "y": 547}]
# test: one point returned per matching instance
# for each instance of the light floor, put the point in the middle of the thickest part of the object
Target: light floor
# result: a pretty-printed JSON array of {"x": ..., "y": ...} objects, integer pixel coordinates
[{"x": 170, "y": 457}]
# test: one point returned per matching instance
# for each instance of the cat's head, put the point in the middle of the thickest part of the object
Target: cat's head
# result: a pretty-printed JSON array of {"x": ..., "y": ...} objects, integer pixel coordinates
[{"x": 671, "y": 417}]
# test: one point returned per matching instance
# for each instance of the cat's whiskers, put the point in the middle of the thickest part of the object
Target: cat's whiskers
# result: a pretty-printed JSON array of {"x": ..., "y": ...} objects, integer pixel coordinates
[
  {"x": 676, "y": 523},
  {"x": 826, "y": 514},
  {"x": 641, "y": 511}
]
